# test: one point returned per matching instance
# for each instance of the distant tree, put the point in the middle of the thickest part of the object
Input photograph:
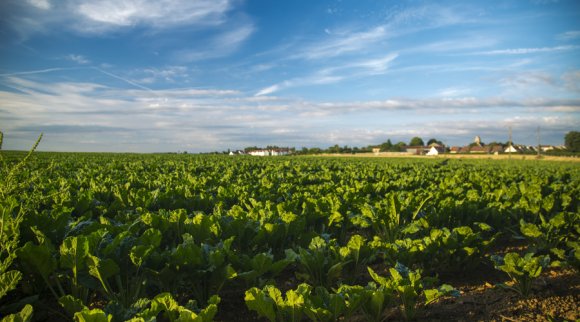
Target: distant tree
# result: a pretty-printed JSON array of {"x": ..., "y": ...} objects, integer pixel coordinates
[
  {"x": 334, "y": 149},
  {"x": 416, "y": 141},
  {"x": 345, "y": 149},
  {"x": 472, "y": 144},
  {"x": 386, "y": 146},
  {"x": 494, "y": 143},
  {"x": 572, "y": 141},
  {"x": 399, "y": 146},
  {"x": 434, "y": 140}
]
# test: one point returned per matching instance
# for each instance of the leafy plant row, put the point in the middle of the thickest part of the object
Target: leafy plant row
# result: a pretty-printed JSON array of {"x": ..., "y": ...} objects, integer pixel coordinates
[{"x": 145, "y": 237}]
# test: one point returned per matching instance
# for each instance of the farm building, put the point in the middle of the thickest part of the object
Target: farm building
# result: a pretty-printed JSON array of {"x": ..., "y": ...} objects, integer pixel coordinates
[
  {"x": 511, "y": 149},
  {"x": 428, "y": 150},
  {"x": 454, "y": 149},
  {"x": 479, "y": 149},
  {"x": 433, "y": 151},
  {"x": 272, "y": 152}
]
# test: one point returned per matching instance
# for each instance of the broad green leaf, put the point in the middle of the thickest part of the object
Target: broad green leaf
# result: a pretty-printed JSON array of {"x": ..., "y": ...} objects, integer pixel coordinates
[
  {"x": 209, "y": 312},
  {"x": 71, "y": 304},
  {"x": 163, "y": 302},
  {"x": 140, "y": 253},
  {"x": 8, "y": 281},
  {"x": 558, "y": 221},
  {"x": 317, "y": 243},
  {"x": 432, "y": 295},
  {"x": 73, "y": 252},
  {"x": 379, "y": 279},
  {"x": 151, "y": 237},
  {"x": 275, "y": 294},
  {"x": 37, "y": 258},
  {"x": 102, "y": 269},
  {"x": 94, "y": 315},
  {"x": 377, "y": 302},
  {"x": 263, "y": 304},
  {"x": 186, "y": 315},
  {"x": 529, "y": 229},
  {"x": 24, "y": 315},
  {"x": 294, "y": 298}
]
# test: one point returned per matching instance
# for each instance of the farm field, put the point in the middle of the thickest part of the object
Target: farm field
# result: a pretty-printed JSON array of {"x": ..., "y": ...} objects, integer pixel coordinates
[{"x": 145, "y": 237}]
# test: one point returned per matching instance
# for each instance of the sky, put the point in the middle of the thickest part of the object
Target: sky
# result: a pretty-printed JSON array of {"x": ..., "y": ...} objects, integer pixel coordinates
[{"x": 212, "y": 75}]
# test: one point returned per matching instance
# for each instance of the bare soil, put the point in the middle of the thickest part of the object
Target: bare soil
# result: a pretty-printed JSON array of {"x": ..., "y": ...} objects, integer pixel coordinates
[{"x": 555, "y": 297}]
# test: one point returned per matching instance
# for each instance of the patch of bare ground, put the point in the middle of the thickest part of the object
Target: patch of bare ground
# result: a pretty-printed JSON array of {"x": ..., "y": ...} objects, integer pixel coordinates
[{"x": 555, "y": 297}]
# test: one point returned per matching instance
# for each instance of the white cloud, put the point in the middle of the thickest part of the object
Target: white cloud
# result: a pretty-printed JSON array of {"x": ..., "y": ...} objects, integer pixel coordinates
[
  {"x": 525, "y": 80},
  {"x": 222, "y": 45},
  {"x": 439, "y": 105},
  {"x": 377, "y": 66},
  {"x": 79, "y": 59},
  {"x": 362, "y": 68},
  {"x": 97, "y": 16},
  {"x": 269, "y": 90},
  {"x": 453, "y": 92},
  {"x": 572, "y": 80},
  {"x": 569, "y": 35},
  {"x": 168, "y": 74},
  {"x": 524, "y": 51},
  {"x": 40, "y": 4},
  {"x": 342, "y": 43},
  {"x": 104, "y": 16}
]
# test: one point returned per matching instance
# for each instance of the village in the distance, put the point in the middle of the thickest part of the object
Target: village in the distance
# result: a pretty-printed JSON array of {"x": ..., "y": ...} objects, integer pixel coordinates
[{"x": 417, "y": 146}]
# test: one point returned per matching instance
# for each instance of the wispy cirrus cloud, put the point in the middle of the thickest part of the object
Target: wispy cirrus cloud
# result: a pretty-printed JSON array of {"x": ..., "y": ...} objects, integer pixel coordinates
[
  {"x": 161, "y": 13},
  {"x": 40, "y": 4},
  {"x": 79, "y": 59},
  {"x": 569, "y": 35},
  {"x": 98, "y": 17},
  {"x": 222, "y": 45},
  {"x": 524, "y": 51},
  {"x": 450, "y": 104},
  {"x": 343, "y": 42},
  {"x": 399, "y": 23},
  {"x": 362, "y": 68},
  {"x": 169, "y": 74},
  {"x": 572, "y": 80}
]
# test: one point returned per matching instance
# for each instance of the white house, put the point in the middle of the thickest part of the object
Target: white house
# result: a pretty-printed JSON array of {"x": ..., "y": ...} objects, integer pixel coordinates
[
  {"x": 433, "y": 151},
  {"x": 273, "y": 152},
  {"x": 259, "y": 153},
  {"x": 279, "y": 152},
  {"x": 511, "y": 149}
]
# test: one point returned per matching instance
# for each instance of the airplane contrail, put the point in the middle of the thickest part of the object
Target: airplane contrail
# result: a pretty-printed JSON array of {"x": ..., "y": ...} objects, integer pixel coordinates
[
  {"x": 40, "y": 71},
  {"x": 56, "y": 69},
  {"x": 125, "y": 80}
]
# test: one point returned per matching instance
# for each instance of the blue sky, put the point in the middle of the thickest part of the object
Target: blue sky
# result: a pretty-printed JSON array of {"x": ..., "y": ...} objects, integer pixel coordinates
[{"x": 206, "y": 75}]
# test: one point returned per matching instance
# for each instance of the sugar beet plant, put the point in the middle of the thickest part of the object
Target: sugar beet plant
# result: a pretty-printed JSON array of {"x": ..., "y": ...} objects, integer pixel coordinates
[
  {"x": 403, "y": 287},
  {"x": 523, "y": 270}
]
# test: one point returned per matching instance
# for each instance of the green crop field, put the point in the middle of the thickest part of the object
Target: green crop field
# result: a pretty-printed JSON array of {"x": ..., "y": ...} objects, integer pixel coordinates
[{"x": 100, "y": 237}]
